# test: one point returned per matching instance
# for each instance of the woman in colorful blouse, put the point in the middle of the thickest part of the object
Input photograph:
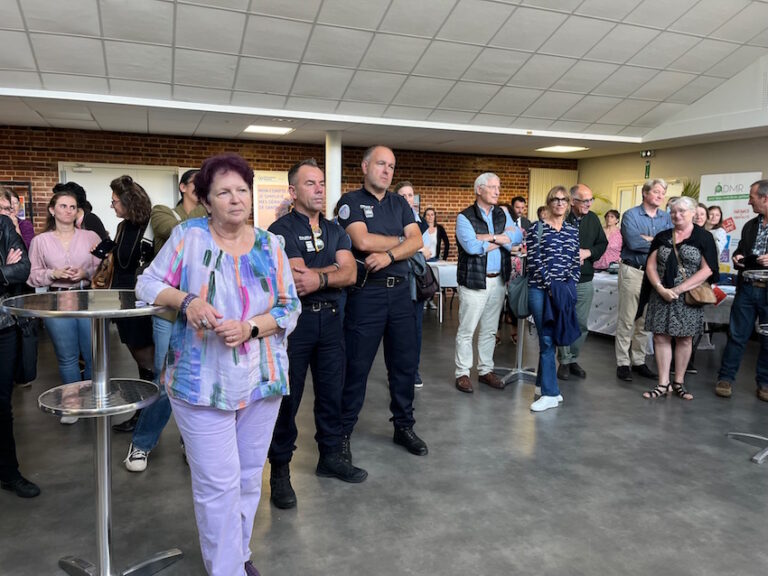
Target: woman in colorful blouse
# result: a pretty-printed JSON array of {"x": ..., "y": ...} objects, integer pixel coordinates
[
  {"x": 554, "y": 258},
  {"x": 227, "y": 366}
]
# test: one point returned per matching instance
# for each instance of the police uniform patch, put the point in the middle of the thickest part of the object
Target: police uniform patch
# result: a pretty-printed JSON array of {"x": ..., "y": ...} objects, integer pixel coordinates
[{"x": 344, "y": 211}]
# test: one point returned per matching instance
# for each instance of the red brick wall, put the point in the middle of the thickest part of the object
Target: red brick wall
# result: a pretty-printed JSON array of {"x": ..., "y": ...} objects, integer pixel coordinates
[{"x": 444, "y": 181}]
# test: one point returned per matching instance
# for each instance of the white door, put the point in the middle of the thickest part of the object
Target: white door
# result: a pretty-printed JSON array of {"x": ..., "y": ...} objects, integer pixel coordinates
[{"x": 160, "y": 182}]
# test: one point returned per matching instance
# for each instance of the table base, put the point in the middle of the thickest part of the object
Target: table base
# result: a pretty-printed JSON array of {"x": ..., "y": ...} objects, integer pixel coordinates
[
  {"x": 518, "y": 373},
  {"x": 79, "y": 567},
  {"x": 761, "y": 456}
]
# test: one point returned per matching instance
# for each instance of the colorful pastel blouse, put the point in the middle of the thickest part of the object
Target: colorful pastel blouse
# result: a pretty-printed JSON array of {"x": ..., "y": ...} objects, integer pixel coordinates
[{"x": 199, "y": 368}]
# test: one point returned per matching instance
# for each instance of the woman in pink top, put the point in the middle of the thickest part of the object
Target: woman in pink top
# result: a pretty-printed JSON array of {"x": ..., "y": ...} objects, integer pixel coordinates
[
  {"x": 613, "y": 233},
  {"x": 61, "y": 260}
]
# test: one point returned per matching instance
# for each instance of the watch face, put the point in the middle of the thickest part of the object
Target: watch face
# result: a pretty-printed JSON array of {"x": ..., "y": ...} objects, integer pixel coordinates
[{"x": 254, "y": 331}]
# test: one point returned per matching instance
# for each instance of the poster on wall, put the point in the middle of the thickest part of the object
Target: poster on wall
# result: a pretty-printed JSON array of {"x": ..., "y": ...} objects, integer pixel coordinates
[
  {"x": 731, "y": 193},
  {"x": 270, "y": 197}
]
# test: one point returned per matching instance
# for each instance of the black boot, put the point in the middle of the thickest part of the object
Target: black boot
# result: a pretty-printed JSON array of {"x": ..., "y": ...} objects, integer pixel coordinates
[
  {"x": 346, "y": 449},
  {"x": 335, "y": 466},
  {"x": 283, "y": 495}
]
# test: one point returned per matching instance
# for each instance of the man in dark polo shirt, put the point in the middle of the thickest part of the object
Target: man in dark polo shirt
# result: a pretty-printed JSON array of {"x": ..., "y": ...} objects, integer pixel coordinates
[
  {"x": 321, "y": 260},
  {"x": 384, "y": 235}
]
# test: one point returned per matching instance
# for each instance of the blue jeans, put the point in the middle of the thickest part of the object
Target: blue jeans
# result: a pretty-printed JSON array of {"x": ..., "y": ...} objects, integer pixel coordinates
[
  {"x": 750, "y": 302},
  {"x": 71, "y": 339},
  {"x": 154, "y": 417},
  {"x": 546, "y": 375}
]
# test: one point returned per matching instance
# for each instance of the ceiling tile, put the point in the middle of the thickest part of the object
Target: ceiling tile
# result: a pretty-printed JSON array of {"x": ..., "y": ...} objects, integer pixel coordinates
[
  {"x": 336, "y": 46},
  {"x": 423, "y": 91},
  {"x": 562, "y": 5},
  {"x": 540, "y": 71},
  {"x": 355, "y": 13},
  {"x": 208, "y": 28},
  {"x": 527, "y": 29},
  {"x": 139, "y": 61},
  {"x": 552, "y": 104},
  {"x": 663, "y": 85},
  {"x": 708, "y": 15},
  {"x": 139, "y": 20},
  {"x": 361, "y": 109},
  {"x": 610, "y": 9},
  {"x": 16, "y": 112},
  {"x": 446, "y": 60},
  {"x": 493, "y": 120},
  {"x": 760, "y": 40},
  {"x": 321, "y": 81},
  {"x": 304, "y": 10},
  {"x": 168, "y": 121},
  {"x": 625, "y": 81},
  {"x": 567, "y": 126},
  {"x": 273, "y": 38},
  {"x": 703, "y": 56},
  {"x": 204, "y": 69},
  {"x": 635, "y": 131},
  {"x": 497, "y": 66},
  {"x": 659, "y": 12},
  {"x": 407, "y": 113},
  {"x": 627, "y": 111},
  {"x": 231, "y": 4},
  {"x": 746, "y": 24},
  {"x": 393, "y": 53},
  {"x": 219, "y": 125},
  {"x": 16, "y": 52},
  {"x": 60, "y": 109},
  {"x": 68, "y": 54},
  {"x": 374, "y": 86},
  {"x": 17, "y": 79},
  {"x": 117, "y": 118},
  {"x": 79, "y": 17},
  {"x": 469, "y": 96},
  {"x": 10, "y": 15},
  {"x": 591, "y": 108},
  {"x": 577, "y": 36},
  {"x": 474, "y": 21},
  {"x": 74, "y": 124},
  {"x": 201, "y": 95},
  {"x": 511, "y": 100},
  {"x": 421, "y": 18},
  {"x": 257, "y": 100},
  {"x": 71, "y": 83},
  {"x": 689, "y": 93},
  {"x": 584, "y": 76},
  {"x": 450, "y": 116},
  {"x": 259, "y": 75},
  {"x": 663, "y": 50},
  {"x": 311, "y": 105},
  {"x": 737, "y": 61},
  {"x": 140, "y": 89},
  {"x": 659, "y": 114},
  {"x": 607, "y": 129},
  {"x": 621, "y": 43},
  {"x": 527, "y": 123}
]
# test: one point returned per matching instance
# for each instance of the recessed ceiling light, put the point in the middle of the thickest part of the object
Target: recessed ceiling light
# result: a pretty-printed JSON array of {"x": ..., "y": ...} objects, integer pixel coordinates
[
  {"x": 561, "y": 149},
  {"x": 278, "y": 130}
]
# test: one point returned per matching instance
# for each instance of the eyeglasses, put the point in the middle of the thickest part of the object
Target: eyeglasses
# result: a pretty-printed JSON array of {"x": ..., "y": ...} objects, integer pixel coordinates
[
  {"x": 316, "y": 240},
  {"x": 584, "y": 201},
  {"x": 557, "y": 200},
  {"x": 112, "y": 204}
]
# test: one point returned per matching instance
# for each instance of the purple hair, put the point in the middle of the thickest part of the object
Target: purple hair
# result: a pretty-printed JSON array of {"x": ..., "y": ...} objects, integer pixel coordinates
[{"x": 221, "y": 164}]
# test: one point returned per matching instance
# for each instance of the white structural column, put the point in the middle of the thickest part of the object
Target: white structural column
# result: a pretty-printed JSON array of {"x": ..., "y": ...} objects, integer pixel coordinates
[{"x": 332, "y": 171}]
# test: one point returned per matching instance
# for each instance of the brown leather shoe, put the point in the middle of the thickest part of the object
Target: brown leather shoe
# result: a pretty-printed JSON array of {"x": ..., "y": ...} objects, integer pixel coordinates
[
  {"x": 464, "y": 385},
  {"x": 492, "y": 380},
  {"x": 723, "y": 389}
]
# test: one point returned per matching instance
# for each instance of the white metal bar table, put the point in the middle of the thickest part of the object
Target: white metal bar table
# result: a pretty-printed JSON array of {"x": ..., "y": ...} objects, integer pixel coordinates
[
  {"x": 761, "y": 328},
  {"x": 98, "y": 398}
]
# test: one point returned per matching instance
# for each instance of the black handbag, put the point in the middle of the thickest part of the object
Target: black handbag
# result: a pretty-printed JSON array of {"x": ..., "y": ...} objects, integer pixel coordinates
[{"x": 28, "y": 330}]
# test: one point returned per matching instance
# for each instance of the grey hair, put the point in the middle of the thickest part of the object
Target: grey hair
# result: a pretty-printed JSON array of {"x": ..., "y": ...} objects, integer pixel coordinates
[
  {"x": 482, "y": 180},
  {"x": 369, "y": 152},
  {"x": 5, "y": 193},
  {"x": 651, "y": 183},
  {"x": 762, "y": 188},
  {"x": 687, "y": 202}
]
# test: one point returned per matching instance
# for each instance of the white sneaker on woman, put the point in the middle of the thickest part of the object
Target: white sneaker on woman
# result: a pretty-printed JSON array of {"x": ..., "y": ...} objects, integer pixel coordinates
[
  {"x": 136, "y": 461},
  {"x": 545, "y": 403},
  {"x": 68, "y": 419}
]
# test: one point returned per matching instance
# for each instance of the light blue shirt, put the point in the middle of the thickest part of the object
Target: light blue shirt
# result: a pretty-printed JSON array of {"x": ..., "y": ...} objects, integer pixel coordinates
[
  {"x": 467, "y": 237},
  {"x": 636, "y": 222}
]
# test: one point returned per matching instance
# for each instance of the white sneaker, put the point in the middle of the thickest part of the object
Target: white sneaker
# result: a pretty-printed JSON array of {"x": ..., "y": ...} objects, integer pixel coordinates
[
  {"x": 545, "y": 403},
  {"x": 68, "y": 419},
  {"x": 431, "y": 305},
  {"x": 559, "y": 398},
  {"x": 136, "y": 461}
]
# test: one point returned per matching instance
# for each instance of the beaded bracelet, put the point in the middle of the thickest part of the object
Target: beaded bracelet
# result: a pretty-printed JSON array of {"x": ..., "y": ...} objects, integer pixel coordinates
[{"x": 186, "y": 302}]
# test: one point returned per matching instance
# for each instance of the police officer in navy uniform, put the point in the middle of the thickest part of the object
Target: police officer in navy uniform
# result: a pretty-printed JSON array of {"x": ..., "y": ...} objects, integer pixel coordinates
[
  {"x": 384, "y": 235},
  {"x": 321, "y": 260}
]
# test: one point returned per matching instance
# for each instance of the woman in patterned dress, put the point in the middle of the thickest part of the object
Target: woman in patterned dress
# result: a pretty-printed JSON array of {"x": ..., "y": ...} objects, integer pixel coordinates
[
  {"x": 668, "y": 316},
  {"x": 227, "y": 366}
]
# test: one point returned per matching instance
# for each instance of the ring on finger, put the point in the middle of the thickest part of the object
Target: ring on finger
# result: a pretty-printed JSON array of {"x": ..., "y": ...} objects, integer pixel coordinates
[{"x": 204, "y": 323}]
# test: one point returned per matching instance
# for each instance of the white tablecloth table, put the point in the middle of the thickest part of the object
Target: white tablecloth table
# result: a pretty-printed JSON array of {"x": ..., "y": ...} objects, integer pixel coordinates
[{"x": 445, "y": 273}]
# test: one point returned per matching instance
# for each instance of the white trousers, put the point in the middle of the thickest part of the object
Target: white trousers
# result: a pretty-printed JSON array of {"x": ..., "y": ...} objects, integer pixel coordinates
[
  {"x": 226, "y": 451},
  {"x": 481, "y": 307},
  {"x": 630, "y": 333}
]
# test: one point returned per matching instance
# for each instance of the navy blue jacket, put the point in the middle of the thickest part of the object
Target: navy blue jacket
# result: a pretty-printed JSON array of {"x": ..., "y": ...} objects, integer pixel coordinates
[{"x": 560, "y": 312}]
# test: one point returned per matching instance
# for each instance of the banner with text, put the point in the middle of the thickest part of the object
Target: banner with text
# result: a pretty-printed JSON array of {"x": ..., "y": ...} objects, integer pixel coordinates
[
  {"x": 731, "y": 193},
  {"x": 270, "y": 197}
]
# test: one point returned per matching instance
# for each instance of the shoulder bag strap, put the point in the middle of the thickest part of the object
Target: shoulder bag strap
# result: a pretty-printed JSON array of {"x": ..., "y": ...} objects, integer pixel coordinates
[{"x": 677, "y": 256}]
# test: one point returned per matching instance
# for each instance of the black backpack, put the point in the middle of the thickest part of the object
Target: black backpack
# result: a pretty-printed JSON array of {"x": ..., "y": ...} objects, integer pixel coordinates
[{"x": 426, "y": 285}]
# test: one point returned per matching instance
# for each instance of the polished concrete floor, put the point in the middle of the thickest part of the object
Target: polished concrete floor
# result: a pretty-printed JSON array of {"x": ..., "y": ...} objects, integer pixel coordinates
[{"x": 606, "y": 484}]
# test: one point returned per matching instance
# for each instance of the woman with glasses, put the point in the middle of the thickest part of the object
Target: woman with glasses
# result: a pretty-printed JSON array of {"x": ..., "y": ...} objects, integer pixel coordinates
[
  {"x": 553, "y": 260},
  {"x": 61, "y": 260},
  {"x": 131, "y": 203},
  {"x": 227, "y": 366},
  {"x": 14, "y": 269}
]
